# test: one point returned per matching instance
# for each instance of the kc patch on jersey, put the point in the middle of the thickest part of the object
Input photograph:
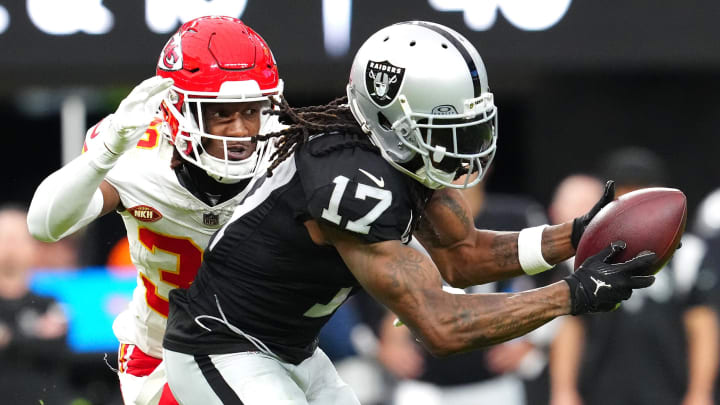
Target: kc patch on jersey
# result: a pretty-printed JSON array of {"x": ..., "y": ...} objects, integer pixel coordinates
[
  {"x": 383, "y": 81},
  {"x": 145, "y": 213}
]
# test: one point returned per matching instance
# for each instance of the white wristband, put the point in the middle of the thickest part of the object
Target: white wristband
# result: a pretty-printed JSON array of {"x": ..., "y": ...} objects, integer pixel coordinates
[{"x": 530, "y": 250}]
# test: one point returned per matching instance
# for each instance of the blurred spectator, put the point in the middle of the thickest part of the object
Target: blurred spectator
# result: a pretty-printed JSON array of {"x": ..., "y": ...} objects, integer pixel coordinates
[
  {"x": 496, "y": 375},
  {"x": 61, "y": 255},
  {"x": 661, "y": 346},
  {"x": 708, "y": 280},
  {"x": 633, "y": 168},
  {"x": 33, "y": 329},
  {"x": 574, "y": 195},
  {"x": 707, "y": 220}
]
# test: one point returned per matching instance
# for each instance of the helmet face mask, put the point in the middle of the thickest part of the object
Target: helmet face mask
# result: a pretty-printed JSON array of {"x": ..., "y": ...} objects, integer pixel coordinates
[
  {"x": 216, "y": 60},
  {"x": 420, "y": 91},
  {"x": 192, "y": 137}
]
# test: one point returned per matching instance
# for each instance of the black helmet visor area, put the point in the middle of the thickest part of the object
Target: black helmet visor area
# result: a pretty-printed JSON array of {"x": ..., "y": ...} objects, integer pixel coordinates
[{"x": 468, "y": 140}]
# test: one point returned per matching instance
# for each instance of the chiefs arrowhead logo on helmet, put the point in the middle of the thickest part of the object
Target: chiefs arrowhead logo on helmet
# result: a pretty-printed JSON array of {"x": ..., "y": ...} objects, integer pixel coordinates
[
  {"x": 383, "y": 80},
  {"x": 171, "y": 57}
]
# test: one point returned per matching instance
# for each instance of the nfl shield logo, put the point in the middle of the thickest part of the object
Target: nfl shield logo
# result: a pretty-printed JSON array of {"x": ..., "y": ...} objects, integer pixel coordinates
[
  {"x": 383, "y": 81},
  {"x": 211, "y": 219}
]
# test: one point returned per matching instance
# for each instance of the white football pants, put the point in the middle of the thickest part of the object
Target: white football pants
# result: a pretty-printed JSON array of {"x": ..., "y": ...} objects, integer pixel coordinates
[{"x": 254, "y": 378}]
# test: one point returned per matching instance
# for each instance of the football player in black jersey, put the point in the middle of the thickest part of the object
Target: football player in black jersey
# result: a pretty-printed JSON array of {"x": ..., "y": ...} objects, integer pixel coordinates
[{"x": 350, "y": 184}]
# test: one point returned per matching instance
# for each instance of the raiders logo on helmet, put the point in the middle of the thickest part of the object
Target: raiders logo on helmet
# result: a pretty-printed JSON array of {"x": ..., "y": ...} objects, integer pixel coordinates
[{"x": 383, "y": 81}]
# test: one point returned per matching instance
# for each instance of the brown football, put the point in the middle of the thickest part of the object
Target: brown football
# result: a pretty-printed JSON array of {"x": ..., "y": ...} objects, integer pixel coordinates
[{"x": 646, "y": 219}]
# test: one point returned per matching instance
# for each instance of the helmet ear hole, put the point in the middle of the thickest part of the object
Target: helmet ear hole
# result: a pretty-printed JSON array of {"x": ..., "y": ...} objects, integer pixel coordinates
[{"x": 383, "y": 121}]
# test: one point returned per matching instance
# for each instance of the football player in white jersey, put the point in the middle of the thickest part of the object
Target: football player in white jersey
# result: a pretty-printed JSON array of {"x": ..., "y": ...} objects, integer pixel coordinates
[{"x": 174, "y": 160}]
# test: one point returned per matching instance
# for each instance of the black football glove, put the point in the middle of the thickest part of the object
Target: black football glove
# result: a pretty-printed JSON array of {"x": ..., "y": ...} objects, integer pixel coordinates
[
  {"x": 580, "y": 223},
  {"x": 599, "y": 286}
]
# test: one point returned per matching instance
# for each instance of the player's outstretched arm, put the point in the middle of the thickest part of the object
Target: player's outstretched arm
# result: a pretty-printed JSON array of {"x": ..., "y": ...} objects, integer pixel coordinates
[
  {"x": 469, "y": 256},
  {"x": 76, "y": 194},
  {"x": 408, "y": 283}
]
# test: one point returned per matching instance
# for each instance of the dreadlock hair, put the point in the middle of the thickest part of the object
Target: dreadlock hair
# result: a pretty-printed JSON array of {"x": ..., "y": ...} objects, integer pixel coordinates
[{"x": 307, "y": 121}]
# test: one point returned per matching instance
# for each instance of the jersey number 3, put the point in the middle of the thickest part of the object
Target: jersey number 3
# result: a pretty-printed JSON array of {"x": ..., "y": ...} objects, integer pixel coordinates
[
  {"x": 189, "y": 257},
  {"x": 362, "y": 224}
]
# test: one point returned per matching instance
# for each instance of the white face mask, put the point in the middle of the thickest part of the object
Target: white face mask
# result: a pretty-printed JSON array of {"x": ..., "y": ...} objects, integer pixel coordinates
[
  {"x": 228, "y": 171},
  {"x": 219, "y": 168}
]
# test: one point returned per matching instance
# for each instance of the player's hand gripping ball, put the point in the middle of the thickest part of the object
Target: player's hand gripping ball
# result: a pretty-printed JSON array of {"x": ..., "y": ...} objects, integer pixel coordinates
[{"x": 646, "y": 219}]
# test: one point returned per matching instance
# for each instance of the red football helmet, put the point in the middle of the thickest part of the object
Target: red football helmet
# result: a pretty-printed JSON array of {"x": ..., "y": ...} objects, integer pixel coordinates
[{"x": 215, "y": 59}]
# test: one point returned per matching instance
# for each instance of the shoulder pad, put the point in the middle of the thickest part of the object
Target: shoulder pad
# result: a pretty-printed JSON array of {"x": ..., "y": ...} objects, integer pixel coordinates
[{"x": 355, "y": 189}]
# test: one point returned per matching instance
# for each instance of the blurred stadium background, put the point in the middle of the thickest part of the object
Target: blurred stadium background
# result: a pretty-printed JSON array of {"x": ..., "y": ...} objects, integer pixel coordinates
[{"x": 573, "y": 80}]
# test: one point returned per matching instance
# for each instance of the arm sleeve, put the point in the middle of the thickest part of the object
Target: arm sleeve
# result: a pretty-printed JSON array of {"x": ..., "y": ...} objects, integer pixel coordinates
[{"x": 70, "y": 198}]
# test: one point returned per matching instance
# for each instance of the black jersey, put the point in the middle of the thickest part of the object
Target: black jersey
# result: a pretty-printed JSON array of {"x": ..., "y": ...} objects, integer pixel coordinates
[{"x": 263, "y": 271}]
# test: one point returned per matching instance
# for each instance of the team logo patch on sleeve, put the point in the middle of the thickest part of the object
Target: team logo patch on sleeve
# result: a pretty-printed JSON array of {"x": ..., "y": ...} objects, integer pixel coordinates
[
  {"x": 383, "y": 81},
  {"x": 145, "y": 213}
]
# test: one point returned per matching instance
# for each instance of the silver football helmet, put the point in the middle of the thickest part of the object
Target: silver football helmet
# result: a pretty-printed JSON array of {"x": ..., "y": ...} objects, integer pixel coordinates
[{"x": 420, "y": 90}]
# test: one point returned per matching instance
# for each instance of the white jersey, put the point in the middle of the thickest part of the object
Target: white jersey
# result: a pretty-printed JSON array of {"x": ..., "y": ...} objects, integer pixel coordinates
[{"x": 168, "y": 229}]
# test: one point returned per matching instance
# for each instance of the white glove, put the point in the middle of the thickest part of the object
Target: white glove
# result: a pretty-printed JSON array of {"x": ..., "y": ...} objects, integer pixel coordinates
[{"x": 135, "y": 113}]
